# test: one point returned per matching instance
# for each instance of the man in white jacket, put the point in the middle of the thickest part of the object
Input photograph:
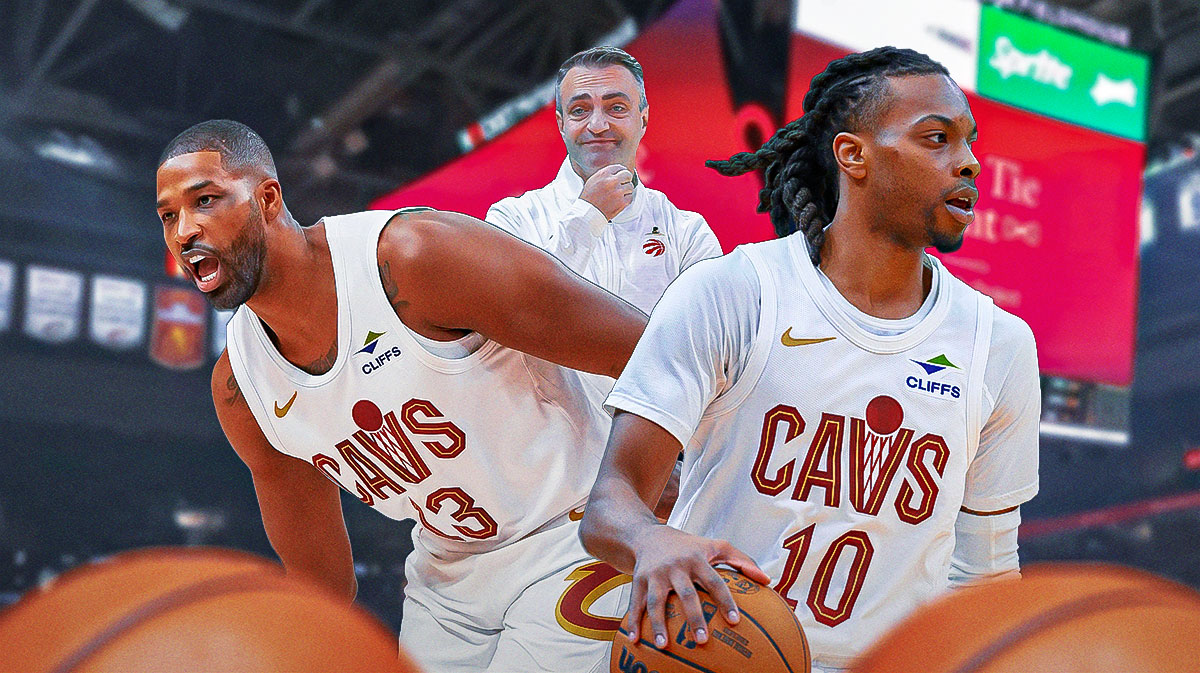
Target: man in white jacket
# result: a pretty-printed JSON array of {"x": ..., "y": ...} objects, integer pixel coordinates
[{"x": 596, "y": 216}]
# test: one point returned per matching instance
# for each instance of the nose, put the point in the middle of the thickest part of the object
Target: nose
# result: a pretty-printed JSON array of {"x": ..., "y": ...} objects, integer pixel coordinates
[
  {"x": 186, "y": 229},
  {"x": 597, "y": 122},
  {"x": 968, "y": 167}
]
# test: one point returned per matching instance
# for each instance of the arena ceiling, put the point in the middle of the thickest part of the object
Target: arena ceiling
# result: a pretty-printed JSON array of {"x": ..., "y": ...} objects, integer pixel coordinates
[{"x": 359, "y": 96}]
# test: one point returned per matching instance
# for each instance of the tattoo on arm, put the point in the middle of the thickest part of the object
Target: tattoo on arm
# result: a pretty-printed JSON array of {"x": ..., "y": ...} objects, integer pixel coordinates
[
  {"x": 390, "y": 288},
  {"x": 234, "y": 393}
]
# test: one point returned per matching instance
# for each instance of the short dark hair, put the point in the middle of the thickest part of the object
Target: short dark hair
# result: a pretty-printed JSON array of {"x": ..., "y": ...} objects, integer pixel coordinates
[
  {"x": 801, "y": 192},
  {"x": 239, "y": 146},
  {"x": 600, "y": 57}
]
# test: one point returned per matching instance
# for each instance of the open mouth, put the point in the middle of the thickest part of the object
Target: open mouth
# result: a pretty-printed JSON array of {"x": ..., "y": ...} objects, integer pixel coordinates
[
  {"x": 206, "y": 270},
  {"x": 961, "y": 209}
]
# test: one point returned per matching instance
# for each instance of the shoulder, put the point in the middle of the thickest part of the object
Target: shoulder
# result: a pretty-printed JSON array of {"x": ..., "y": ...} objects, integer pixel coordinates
[
  {"x": 1010, "y": 332},
  {"x": 734, "y": 271},
  {"x": 685, "y": 220},
  {"x": 728, "y": 283},
  {"x": 410, "y": 237}
]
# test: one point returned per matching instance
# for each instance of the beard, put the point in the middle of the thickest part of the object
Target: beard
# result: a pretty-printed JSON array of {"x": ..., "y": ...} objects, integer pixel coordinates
[
  {"x": 946, "y": 243},
  {"x": 940, "y": 240},
  {"x": 242, "y": 264}
]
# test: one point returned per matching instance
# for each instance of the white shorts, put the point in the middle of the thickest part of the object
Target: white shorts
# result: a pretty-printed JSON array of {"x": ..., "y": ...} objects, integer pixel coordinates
[{"x": 538, "y": 604}]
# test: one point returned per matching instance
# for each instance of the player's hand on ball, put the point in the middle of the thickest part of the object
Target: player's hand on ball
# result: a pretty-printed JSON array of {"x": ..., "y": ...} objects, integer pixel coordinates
[
  {"x": 610, "y": 189},
  {"x": 669, "y": 560}
]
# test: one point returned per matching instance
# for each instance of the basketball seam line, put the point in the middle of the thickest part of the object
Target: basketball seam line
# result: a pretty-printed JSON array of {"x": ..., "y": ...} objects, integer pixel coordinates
[
  {"x": 216, "y": 586},
  {"x": 1064, "y": 613},
  {"x": 770, "y": 640},
  {"x": 672, "y": 655}
]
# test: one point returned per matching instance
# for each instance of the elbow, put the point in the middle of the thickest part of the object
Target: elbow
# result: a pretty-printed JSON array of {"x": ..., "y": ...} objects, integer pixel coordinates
[{"x": 587, "y": 531}]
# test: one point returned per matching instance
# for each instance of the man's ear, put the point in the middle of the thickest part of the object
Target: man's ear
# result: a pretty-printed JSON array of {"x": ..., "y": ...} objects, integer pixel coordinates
[
  {"x": 270, "y": 198},
  {"x": 850, "y": 155}
]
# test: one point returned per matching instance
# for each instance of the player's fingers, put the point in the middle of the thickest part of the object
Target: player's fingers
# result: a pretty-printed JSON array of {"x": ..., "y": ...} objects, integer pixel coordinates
[
  {"x": 637, "y": 608},
  {"x": 689, "y": 600},
  {"x": 624, "y": 176},
  {"x": 656, "y": 603},
  {"x": 711, "y": 581},
  {"x": 735, "y": 558}
]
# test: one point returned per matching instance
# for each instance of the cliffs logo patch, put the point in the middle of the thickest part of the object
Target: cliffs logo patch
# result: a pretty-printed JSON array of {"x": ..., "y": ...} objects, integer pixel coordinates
[
  {"x": 936, "y": 364},
  {"x": 371, "y": 342},
  {"x": 925, "y": 384},
  {"x": 386, "y": 355}
]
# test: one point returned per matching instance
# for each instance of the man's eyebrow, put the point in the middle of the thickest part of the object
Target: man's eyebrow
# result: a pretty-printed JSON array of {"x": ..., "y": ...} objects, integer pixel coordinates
[
  {"x": 579, "y": 96},
  {"x": 935, "y": 117},
  {"x": 193, "y": 188},
  {"x": 615, "y": 94}
]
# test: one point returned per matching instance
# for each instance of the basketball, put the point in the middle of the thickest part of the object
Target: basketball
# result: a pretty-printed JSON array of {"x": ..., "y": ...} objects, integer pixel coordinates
[
  {"x": 190, "y": 610},
  {"x": 1059, "y": 617},
  {"x": 767, "y": 639}
]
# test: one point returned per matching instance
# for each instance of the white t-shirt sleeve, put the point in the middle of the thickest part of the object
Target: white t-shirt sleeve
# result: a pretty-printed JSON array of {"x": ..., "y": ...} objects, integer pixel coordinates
[
  {"x": 1004, "y": 472},
  {"x": 570, "y": 239},
  {"x": 985, "y": 547},
  {"x": 700, "y": 241},
  {"x": 695, "y": 346}
]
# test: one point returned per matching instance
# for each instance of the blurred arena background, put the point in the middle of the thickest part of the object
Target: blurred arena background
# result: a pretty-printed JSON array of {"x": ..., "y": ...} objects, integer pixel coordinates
[{"x": 1088, "y": 224}]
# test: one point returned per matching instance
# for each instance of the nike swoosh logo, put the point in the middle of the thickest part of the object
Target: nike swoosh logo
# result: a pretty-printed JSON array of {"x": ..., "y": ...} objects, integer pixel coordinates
[
  {"x": 280, "y": 412},
  {"x": 787, "y": 339},
  {"x": 575, "y": 514}
]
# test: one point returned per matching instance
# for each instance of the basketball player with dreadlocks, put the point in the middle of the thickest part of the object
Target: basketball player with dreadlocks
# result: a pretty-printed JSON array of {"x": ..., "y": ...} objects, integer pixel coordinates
[{"x": 859, "y": 427}]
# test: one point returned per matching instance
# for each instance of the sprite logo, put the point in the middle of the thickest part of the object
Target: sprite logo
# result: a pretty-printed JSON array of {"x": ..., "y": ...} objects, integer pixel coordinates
[
  {"x": 1058, "y": 74},
  {"x": 1042, "y": 67}
]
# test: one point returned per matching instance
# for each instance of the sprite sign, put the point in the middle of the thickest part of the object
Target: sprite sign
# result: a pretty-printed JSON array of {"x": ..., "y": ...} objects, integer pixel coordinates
[{"x": 1052, "y": 72}]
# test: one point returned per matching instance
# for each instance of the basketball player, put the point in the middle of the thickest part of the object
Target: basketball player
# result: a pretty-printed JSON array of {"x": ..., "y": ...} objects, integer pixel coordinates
[
  {"x": 860, "y": 426},
  {"x": 418, "y": 360}
]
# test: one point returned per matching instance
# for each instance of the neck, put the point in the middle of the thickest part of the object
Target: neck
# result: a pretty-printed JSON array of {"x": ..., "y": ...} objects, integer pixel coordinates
[
  {"x": 296, "y": 298},
  {"x": 876, "y": 273}
]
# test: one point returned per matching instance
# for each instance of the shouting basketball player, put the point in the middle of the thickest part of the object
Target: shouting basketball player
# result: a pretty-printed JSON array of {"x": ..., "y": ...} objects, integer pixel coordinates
[
  {"x": 859, "y": 427},
  {"x": 419, "y": 361}
]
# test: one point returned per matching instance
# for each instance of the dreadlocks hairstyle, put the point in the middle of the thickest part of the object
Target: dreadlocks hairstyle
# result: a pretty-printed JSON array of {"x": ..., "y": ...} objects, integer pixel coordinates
[{"x": 801, "y": 191}]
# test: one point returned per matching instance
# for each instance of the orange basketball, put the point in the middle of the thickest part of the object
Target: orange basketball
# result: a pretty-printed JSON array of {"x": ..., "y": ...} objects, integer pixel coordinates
[
  {"x": 190, "y": 610},
  {"x": 1064, "y": 617},
  {"x": 767, "y": 639}
]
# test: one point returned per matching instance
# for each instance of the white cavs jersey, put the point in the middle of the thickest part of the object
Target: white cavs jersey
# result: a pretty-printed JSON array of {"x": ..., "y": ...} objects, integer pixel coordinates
[
  {"x": 836, "y": 458},
  {"x": 482, "y": 450}
]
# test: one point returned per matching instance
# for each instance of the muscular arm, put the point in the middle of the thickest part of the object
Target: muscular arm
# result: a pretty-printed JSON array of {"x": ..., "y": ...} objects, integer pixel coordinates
[
  {"x": 635, "y": 468},
  {"x": 446, "y": 271},
  {"x": 301, "y": 509},
  {"x": 619, "y": 527}
]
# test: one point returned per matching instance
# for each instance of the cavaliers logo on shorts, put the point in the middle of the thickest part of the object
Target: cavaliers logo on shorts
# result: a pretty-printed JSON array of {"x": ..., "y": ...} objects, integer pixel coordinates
[{"x": 587, "y": 584}]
